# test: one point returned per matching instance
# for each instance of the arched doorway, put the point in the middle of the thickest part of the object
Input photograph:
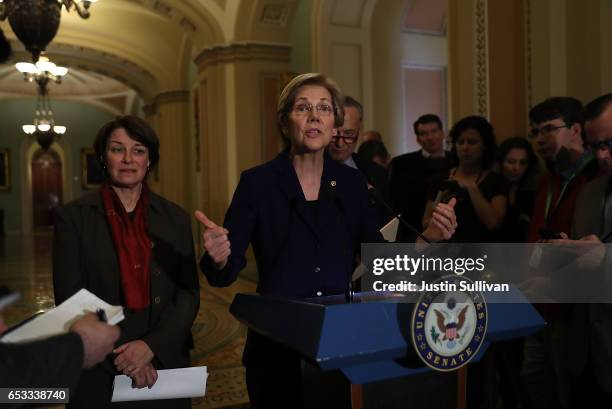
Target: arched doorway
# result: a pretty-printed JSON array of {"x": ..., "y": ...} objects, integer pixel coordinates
[{"x": 46, "y": 186}]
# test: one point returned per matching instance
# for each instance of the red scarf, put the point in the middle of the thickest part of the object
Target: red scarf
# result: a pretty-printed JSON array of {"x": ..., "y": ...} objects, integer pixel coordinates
[{"x": 133, "y": 245}]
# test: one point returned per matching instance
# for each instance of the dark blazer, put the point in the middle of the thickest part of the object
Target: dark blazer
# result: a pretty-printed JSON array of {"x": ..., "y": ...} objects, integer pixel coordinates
[
  {"x": 51, "y": 363},
  {"x": 301, "y": 249},
  {"x": 591, "y": 324},
  {"x": 84, "y": 256},
  {"x": 412, "y": 176},
  {"x": 298, "y": 253},
  {"x": 378, "y": 177}
]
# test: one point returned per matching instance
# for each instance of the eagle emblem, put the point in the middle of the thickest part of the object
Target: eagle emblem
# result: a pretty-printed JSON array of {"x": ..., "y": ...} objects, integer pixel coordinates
[
  {"x": 450, "y": 322},
  {"x": 448, "y": 327}
]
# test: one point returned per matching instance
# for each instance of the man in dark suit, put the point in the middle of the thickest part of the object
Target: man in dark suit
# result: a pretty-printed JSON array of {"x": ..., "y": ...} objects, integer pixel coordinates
[
  {"x": 56, "y": 361},
  {"x": 587, "y": 345},
  {"x": 342, "y": 149},
  {"x": 413, "y": 173}
]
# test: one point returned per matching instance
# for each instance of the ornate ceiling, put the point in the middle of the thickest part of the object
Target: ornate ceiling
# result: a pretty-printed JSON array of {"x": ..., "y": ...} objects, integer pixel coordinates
[{"x": 150, "y": 45}]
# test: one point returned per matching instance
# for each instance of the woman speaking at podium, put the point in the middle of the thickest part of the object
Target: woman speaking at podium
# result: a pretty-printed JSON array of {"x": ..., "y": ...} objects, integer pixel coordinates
[{"x": 306, "y": 216}]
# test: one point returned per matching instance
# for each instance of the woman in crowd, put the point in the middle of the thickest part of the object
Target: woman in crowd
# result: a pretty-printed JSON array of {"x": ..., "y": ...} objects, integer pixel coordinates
[
  {"x": 306, "y": 216},
  {"x": 375, "y": 151},
  {"x": 481, "y": 193},
  {"x": 481, "y": 207},
  {"x": 518, "y": 164},
  {"x": 133, "y": 248}
]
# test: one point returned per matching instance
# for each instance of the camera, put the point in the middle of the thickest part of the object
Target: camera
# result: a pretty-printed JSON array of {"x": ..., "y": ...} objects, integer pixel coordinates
[{"x": 448, "y": 190}]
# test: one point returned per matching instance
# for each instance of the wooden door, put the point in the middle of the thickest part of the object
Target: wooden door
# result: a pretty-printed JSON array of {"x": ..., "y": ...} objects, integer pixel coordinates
[{"x": 46, "y": 186}]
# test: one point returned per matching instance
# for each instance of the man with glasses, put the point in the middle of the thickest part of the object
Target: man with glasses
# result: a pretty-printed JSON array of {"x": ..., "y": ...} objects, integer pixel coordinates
[
  {"x": 598, "y": 130},
  {"x": 587, "y": 347},
  {"x": 412, "y": 174},
  {"x": 342, "y": 149},
  {"x": 556, "y": 129}
]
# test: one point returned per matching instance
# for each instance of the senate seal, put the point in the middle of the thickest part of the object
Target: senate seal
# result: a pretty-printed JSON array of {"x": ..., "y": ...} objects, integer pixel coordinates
[{"x": 448, "y": 327}]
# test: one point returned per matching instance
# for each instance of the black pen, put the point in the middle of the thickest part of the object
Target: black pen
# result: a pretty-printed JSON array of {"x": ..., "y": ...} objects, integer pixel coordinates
[{"x": 101, "y": 315}]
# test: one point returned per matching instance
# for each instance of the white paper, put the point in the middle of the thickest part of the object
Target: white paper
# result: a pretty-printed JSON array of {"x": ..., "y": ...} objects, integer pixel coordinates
[
  {"x": 59, "y": 319},
  {"x": 171, "y": 384},
  {"x": 389, "y": 230}
]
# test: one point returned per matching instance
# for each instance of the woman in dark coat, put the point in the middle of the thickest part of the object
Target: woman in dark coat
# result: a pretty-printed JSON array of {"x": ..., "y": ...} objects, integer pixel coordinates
[
  {"x": 133, "y": 248},
  {"x": 306, "y": 216},
  {"x": 518, "y": 164}
]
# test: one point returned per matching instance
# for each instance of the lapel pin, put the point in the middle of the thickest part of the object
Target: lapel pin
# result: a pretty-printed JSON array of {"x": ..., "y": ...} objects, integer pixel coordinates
[{"x": 333, "y": 183}]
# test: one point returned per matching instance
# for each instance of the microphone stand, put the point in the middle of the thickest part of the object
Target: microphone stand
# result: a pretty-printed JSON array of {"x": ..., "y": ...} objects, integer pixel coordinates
[
  {"x": 378, "y": 198},
  {"x": 349, "y": 294}
]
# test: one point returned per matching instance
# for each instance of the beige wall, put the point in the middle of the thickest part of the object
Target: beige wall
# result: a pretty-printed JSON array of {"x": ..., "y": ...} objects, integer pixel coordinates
[
  {"x": 463, "y": 60},
  {"x": 342, "y": 47},
  {"x": 506, "y": 61},
  {"x": 392, "y": 51},
  {"x": 570, "y": 43},
  {"x": 231, "y": 139}
]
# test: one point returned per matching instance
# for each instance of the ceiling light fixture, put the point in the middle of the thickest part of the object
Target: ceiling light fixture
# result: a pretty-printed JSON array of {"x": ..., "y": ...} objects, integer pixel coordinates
[{"x": 35, "y": 22}]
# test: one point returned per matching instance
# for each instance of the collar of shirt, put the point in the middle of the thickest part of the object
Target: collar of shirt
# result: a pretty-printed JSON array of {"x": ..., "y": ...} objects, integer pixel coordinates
[
  {"x": 350, "y": 162},
  {"x": 429, "y": 155},
  {"x": 568, "y": 174}
]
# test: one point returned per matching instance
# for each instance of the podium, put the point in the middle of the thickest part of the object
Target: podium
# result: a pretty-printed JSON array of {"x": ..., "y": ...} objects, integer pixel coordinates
[{"x": 368, "y": 340}]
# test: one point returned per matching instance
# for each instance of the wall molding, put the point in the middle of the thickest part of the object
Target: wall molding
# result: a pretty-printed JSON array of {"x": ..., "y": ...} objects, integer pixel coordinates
[
  {"x": 235, "y": 52},
  {"x": 528, "y": 55},
  {"x": 166, "y": 97},
  {"x": 482, "y": 56}
]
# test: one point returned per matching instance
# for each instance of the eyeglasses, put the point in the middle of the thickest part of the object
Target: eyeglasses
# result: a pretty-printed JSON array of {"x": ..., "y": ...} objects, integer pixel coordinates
[
  {"x": 349, "y": 136},
  {"x": 545, "y": 130},
  {"x": 601, "y": 145},
  {"x": 322, "y": 109}
]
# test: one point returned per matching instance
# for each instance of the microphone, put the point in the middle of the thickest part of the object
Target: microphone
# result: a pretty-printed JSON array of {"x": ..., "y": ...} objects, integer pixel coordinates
[
  {"x": 375, "y": 194},
  {"x": 330, "y": 191}
]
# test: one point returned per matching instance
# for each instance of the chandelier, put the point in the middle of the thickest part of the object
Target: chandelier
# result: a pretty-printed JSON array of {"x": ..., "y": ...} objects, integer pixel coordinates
[
  {"x": 44, "y": 128},
  {"x": 35, "y": 22},
  {"x": 43, "y": 71}
]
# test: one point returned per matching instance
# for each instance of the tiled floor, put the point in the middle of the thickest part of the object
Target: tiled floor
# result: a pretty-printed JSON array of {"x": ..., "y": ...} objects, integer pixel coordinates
[{"x": 25, "y": 266}]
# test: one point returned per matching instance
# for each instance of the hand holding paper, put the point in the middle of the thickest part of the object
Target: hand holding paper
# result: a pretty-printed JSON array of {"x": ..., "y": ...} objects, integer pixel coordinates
[
  {"x": 144, "y": 377},
  {"x": 98, "y": 338},
  {"x": 171, "y": 384},
  {"x": 132, "y": 357},
  {"x": 59, "y": 319}
]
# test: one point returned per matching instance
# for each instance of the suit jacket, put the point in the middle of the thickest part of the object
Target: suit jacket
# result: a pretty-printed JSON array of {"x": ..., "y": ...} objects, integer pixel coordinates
[
  {"x": 52, "y": 363},
  {"x": 378, "y": 177},
  {"x": 300, "y": 250},
  {"x": 412, "y": 177},
  {"x": 298, "y": 253},
  {"x": 591, "y": 324},
  {"x": 561, "y": 211},
  {"x": 84, "y": 256}
]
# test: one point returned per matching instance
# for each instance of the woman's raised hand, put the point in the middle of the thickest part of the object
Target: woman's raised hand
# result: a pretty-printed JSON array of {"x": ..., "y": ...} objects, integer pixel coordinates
[
  {"x": 443, "y": 221},
  {"x": 216, "y": 243}
]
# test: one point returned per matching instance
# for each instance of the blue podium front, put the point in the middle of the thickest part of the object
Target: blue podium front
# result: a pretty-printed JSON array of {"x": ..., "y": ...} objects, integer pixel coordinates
[{"x": 367, "y": 341}]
